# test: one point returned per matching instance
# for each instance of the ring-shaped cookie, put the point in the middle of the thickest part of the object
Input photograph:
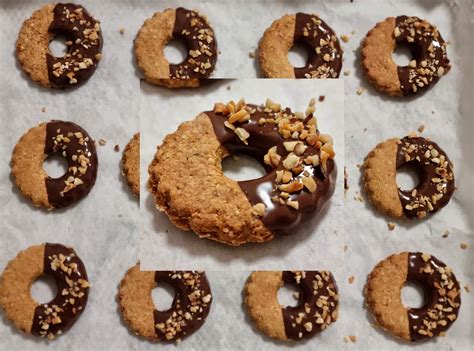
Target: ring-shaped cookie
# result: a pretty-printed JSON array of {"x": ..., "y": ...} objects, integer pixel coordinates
[
  {"x": 83, "y": 39},
  {"x": 55, "y": 137},
  {"x": 324, "y": 51},
  {"x": 429, "y": 63},
  {"x": 52, "y": 318},
  {"x": 187, "y": 314},
  {"x": 442, "y": 295},
  {"x": 435, "y": 171},
  {"x": 189, "y": 185},
  {"x": 318, "y": 303},
  {"x": 187, "y": 26}
]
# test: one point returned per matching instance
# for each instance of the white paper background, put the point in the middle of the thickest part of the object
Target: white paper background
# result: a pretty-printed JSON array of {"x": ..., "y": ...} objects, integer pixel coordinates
[{"x": 103, "y": 227}]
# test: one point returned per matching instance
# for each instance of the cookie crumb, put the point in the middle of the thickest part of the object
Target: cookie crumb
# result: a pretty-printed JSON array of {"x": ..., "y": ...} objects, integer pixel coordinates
[
  {"x": 467, "y": 288},
  {"x": 421, "y": 128},
  {"x": 102, "y": 142},
  {"x": 351, "y": 338},
  {"x": 445, "y": 234},
  {"x": 252, "y": 54},
  {"x": 359, "y": 198},
  {"x": 358, "y": 165},
  {"x": 321, "y": 98},
  {"x": 122, "y": 31},
  {"x": 345, "y": 38},
  {"x": 391, "y": 226},
  {"x": 43, "y": 109},
  {"x": 351, "y": 279},
  {"x": 346, "y": 180},
  {"x": 464, "y": 246},
  {"x": 116, "y": 148},
  {"x": 353, "y": 32},
  {"x": 296, "y": 295},
  {"x": 360, "y": 91},
  {"x": 347, "y": 72},
  {"x": 228, "y": 87}
]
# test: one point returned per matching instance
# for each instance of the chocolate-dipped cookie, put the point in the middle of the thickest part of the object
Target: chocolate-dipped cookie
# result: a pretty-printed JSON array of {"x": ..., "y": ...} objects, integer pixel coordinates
[
  {"x": 83, "y": 39},
  {"x": 436, "y": 177},
  {"x": 188, "y": 184},
  {"x": 429, "y": 58},
  {"x": 442, "y": 296},
  {"x": 190, "y": 307},
  {"x": 317, "y": 308},
  {"x": 181, "y": 24},
  {"x": 62, "y": 138},
  {"x": 324, "y": 50},
  {"x": 56, "y": 316}
]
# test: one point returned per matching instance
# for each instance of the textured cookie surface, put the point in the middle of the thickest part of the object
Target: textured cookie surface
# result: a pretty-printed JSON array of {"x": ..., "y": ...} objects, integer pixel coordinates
[{"x": 131, "y": 164}]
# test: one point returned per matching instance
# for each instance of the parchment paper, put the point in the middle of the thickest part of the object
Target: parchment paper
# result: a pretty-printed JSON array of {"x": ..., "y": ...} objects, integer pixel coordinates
[{"x": 104, "y": 227}]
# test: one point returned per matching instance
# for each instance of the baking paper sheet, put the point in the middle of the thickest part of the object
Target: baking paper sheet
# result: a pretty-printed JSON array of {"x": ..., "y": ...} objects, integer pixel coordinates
[{"x": 104, "y": 227}]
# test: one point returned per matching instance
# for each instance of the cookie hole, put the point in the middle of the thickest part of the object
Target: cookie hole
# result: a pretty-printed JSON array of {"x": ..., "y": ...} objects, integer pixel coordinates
[
  {"x": 298, "y": 55},
  {"x": 175, "y": 52},
  {"x": 288, "y": 295},
  {"x": 55, "y": 166},
  {"x": 44, "y": 289},
  {"x": 58, "y": 47},
  {"x": 413, "y": 295},
  {"x": 163, "y": 295},
  {"x": 242, "y": 167},
  {"x": 408, "y": 177},
  {"x": 402, "y": 55}
]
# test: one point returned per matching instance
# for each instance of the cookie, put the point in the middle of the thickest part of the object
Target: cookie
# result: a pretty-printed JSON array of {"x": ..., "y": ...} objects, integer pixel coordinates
[
  {"x": 441, "y": 290},
  {"x": 429, "y": 58},
  {"x": 436, "y": 177},
  {"x": 131, "y": 164},
  {"x": 188, "y": 184},
  {"x": 83, "y": 39},
  {"x": 55, "y": 137},
  {"x": 55, "y": 317},
  {"x": 187, "y": 26},
  {"x": 187, "y": 314},
  {"x": 324, "y": 50},
  {"x": 317, "y": 309}
]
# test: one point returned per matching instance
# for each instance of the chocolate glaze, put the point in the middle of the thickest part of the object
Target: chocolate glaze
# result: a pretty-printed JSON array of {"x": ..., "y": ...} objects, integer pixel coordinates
[
  {"x": 424, "y": 40},
  {"x": 193, "y": 30},
  {"x": 55, "y": 186},
  {"x": 262, "y": 137},
  {"x": 449, "y": 298},
  {"x": 307, "y": 309},
  {"x": 72, "y": 292},
  {"x": 77, "y": 30},
  {"x": 312, "y": 42},
  {"x": 427, "y": 170},
  {"x": 186, "y": 285}
]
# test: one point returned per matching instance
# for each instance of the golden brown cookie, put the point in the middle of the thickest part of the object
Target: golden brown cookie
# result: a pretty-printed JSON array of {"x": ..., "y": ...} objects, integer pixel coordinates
[
  {"x": 55, "y": 137},
  {"x": 324, "y": 50},
  {"x": 436, "y": 177},
  {"x": 429, "y": 63},
  {"x": 442, "y": 295},
  {"x": 187, "y": 314},
  {"x": 318, "y": 303},
  {"x": 83, "y": 38},
  {"x": 187, "y": 181},
  {"x": 185, "y": 25},
  {"x": 131, "y": 164},
  {"x": 48, "y": 319}
]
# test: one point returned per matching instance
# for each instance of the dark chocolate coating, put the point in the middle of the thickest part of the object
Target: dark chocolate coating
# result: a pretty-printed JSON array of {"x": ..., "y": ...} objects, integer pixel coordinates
[
  {"x": 305, "y": 23},
  {"x": 188, "y": 311},
  {"x": 425, "y": 200},
  {"x": 194, "y": 31},
  {"x": 262, "y": 137},
  {"x": 68, "y": 271},
  {"x": 442, "y": 298},
  {"x": 74, "y": 151},
  {"x": 85, "y": 37},
  {"x": 313, "y": 285},
  {"x": 426, "y": 45}
]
